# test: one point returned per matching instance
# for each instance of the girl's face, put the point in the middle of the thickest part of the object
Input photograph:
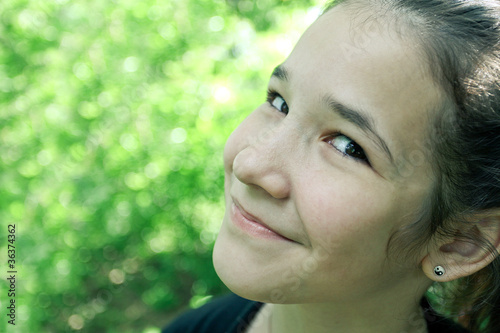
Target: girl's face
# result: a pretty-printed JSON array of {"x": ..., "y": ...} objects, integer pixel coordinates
[{"x": 321, "y": 175}]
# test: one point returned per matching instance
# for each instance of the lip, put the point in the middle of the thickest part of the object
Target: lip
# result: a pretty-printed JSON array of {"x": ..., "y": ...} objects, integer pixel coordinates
[{"x": 252, "y": 225}]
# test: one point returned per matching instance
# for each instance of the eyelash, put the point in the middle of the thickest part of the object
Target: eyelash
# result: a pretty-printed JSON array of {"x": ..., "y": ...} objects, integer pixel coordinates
[
  {"x": 272, "y": 95},
  {"x": 363, "y": 159}
]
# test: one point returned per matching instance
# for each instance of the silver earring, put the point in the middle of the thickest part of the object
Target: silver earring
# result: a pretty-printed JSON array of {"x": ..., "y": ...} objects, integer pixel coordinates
[{"x": 439, "y": 270}]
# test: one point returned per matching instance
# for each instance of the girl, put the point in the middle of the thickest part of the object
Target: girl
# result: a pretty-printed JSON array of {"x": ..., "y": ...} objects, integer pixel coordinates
[{"x": 371, "y": 172}]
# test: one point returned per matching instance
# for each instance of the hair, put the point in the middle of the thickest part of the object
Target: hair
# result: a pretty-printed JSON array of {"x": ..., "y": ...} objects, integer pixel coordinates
[{"x": 460, "y": 40}]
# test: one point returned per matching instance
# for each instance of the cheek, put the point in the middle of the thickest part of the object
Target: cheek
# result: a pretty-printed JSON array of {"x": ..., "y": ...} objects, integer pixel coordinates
[{"x": 347, "y": 215}]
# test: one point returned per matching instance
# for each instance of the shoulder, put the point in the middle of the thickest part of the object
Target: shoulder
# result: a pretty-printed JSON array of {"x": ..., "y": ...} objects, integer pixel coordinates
[
  {"x": 225, "y": 314},
  {"x": 442, "y": 325},
  {"x": 439, "y": 324}
]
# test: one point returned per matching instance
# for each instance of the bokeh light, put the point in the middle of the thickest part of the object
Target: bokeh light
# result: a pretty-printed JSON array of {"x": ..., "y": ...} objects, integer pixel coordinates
[{"x": 114, "y": 118}]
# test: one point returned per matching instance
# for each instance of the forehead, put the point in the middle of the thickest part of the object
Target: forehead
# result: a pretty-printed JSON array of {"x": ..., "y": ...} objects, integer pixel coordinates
[{"x": 364, "y": 62}]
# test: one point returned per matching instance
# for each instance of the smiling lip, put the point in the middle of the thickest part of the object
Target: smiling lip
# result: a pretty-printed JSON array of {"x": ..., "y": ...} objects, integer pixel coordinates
[{"x": 251, "y": 225}]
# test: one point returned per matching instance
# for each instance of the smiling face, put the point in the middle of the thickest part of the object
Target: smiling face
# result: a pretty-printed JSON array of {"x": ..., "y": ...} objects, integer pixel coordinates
[{"x": 320, "y": 176}]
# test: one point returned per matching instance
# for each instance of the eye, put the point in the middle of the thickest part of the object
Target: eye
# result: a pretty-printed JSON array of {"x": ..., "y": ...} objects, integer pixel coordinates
[
  {"x": 277, "y": 102},
  {"x": 348, "y": 147}
]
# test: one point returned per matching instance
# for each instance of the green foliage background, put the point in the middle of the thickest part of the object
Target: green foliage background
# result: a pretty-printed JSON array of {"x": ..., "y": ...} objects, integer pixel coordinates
[{"x": 113, "y": 119}]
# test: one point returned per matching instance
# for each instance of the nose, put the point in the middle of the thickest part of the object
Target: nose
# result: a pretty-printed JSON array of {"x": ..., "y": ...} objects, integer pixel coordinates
[{"x": 265, "y": 163}]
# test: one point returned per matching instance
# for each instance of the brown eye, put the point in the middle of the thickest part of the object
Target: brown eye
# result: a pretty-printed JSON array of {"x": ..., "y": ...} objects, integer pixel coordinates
[
  {"x": 348, "y": 147},
  {"x": 279, "y": 103}
]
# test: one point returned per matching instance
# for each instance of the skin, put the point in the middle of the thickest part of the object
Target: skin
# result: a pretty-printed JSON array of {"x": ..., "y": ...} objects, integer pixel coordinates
[{"x": 289, "y": 171}]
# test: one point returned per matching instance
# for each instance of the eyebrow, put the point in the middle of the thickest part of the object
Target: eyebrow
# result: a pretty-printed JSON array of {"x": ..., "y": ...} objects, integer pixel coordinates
[
  {"x": 281, "y": 73},
  {"x": 361, "y": 120}
]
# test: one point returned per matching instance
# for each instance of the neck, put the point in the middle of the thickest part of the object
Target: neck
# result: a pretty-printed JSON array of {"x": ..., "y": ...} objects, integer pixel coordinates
[
  {"x": 319, "y": 318},
  {"x": 395, "y": 315}
]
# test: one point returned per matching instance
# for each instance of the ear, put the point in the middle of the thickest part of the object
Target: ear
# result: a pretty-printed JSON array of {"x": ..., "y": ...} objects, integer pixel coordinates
[{"x": 463, "y": 256}]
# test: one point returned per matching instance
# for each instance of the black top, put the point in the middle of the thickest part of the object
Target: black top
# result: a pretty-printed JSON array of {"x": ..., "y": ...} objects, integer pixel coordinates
[{"x": 233, "y": 314}]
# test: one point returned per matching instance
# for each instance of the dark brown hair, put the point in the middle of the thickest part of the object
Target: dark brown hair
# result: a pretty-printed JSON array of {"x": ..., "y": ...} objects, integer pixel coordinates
[{"x": 461, "y": 43}]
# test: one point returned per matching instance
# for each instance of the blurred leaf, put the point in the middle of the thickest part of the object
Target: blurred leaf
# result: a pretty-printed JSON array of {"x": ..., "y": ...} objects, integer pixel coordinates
[{"x": 114, "y": 118}]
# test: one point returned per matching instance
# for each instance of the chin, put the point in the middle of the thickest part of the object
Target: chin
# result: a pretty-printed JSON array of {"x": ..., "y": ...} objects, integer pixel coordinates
[
  {"x": 227, "y": 269},
  {"x": 235, "y": 274},
  {"x": 246, "y": 280}
]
